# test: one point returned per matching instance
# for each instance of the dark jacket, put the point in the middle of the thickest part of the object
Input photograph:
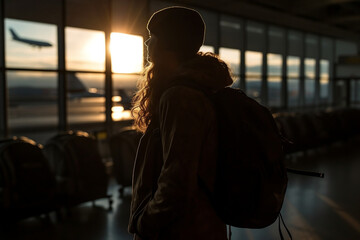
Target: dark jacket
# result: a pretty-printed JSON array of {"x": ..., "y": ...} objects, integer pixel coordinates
[{"x": 175, "y": 151}]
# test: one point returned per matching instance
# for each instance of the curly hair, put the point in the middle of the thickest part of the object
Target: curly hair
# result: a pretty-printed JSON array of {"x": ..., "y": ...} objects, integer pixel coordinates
[
  {"x": 154, "y": 81},
  {"x": 146, "y": 99}
]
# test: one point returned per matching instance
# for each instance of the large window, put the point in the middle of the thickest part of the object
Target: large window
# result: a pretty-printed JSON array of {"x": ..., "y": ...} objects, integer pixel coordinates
[
  {"x": 32, "y": 95},
  {"x": 232, "y": 58},
  {"x": 32, "y": 102},
  {"x": 86, "y": 98},
  {"x": 127, "y": 57},
  {"x": 324, "y": 81},
  {"x": 85, "y": 49},
  {"x": 86, "y": 91},
  {"x": 253, "y": 64},
  {"x": 124, "y": 88},
  {"x": 310, "y": 81},
  {"x": 230, "y": 44},
  {"x": 326, "y": 63},
  {"x": 274, "y": 73},
  {"x": 293, "y": 76},
  {"x": 36, "y": 53},
  {"x": 30, "y": 45}
]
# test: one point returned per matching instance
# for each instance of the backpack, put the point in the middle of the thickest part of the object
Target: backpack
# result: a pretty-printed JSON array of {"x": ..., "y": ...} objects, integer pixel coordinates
[{"x": 251, "y": 178}]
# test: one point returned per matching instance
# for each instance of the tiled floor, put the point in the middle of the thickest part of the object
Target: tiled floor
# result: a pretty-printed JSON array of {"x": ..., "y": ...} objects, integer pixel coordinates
[{"x": 314, "y": 208}]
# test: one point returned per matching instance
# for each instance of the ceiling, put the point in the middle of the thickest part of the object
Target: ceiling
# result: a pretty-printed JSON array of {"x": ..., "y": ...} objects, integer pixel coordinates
[
  {"x": 344, "y": 14},
  {"x": 336, "y": 18}
]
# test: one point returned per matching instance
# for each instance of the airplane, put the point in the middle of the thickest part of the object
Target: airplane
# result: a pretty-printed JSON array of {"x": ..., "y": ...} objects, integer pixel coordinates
[{"x": 32, "y": 42}]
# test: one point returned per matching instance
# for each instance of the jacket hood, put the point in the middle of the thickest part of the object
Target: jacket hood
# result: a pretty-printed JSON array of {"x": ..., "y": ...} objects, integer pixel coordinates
[{"x": 206, "y": 70}]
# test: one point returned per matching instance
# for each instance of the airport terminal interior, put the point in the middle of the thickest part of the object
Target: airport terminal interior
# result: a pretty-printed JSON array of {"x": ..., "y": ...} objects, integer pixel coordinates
[{"x": 69, "y": 70}]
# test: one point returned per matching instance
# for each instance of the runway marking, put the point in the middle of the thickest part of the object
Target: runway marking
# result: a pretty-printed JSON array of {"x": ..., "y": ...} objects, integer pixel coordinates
[
  {"x": 341, "y": 212},
  {"x": 298, "y": 226}
]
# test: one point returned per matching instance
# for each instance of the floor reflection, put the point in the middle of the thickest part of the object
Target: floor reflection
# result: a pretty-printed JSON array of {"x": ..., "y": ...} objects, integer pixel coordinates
[{"x": 314, "y": 208}]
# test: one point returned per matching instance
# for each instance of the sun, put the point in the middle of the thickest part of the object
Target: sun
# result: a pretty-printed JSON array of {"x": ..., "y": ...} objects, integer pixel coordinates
[{"x": 126, "y": 53}]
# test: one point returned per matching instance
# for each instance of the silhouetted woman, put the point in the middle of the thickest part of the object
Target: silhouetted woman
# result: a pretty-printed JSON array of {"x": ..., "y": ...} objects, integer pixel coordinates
[{"x": 180, "y": 140}]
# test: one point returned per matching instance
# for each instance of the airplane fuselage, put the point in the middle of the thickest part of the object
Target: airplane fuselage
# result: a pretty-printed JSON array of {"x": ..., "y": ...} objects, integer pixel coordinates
[{"x": 32, "y": 42}]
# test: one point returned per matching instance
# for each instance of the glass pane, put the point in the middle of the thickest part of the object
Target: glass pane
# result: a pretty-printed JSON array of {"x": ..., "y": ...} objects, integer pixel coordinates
[
  {"x": 340, "y": 93},
  {"x": 324, "y": 80},
  {"x": 85, "y": 98},
  {"x": 85, "y": 49},
  {"x": 293, "y": 66},
  {"x": 309, "y": 91},
  {"x": 230, "y": 32},
  {"x": 255, "y": 36},
  {"x": 345, "y": 48},
  {"x": 32, "y": 102},
  {"x": 232, "y": 58},
  {"x": 253, "y": 88},
  {"x": 293, "y": 92},
  {"x": 327, "y": 46},
  {"x": 355, "y": 92},
  {"x": 293, "y": 73},
  {"x": 205, "y": 48},
  {"x": 274, "y": 79},
  {"x": 276, "y": 40},
  {"x": 127, "y": 53},
  {"x": 274, "y": 91},
  {"x": 124, "y": 88},
  {"x": 324, "y": 68},
  {"x": 274, "y": 64},
  {"x": 312, "y": 46},
  {"x": 310, "y": 81},
  {"x": 295, "y": 43},
  {"x": 324, "y": 90},
  {"x": 253, "y": 64},
  {"x": 30, "y": 44}
]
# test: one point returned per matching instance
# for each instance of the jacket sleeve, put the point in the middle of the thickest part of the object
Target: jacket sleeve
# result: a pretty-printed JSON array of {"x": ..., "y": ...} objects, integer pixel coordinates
[{"x": 183, "y": 128}]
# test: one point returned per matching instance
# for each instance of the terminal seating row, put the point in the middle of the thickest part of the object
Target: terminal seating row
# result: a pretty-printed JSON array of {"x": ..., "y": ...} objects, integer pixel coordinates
[
  {"x": 68, "y": 170},
  {"x": 36, "y": 179},
  {"x": 123, "y": 146},
  {"x": 27, "y": 186},
  {"x": 302, "y": 130},
  {"x": 310, "y": 130}
]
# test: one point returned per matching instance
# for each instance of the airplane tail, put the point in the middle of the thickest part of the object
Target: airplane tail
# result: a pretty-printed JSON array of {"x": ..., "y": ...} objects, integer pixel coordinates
[
  {"x": 13, "y": 34},
  {"x": 74, "y": 84}
]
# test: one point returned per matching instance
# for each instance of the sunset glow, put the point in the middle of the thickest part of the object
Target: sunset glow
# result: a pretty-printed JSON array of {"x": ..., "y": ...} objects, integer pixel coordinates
[{"x": 126, "y": 53}]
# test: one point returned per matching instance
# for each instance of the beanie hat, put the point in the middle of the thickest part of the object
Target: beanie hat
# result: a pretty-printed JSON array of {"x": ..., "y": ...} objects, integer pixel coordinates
[{"x": 178, "y": 28}]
